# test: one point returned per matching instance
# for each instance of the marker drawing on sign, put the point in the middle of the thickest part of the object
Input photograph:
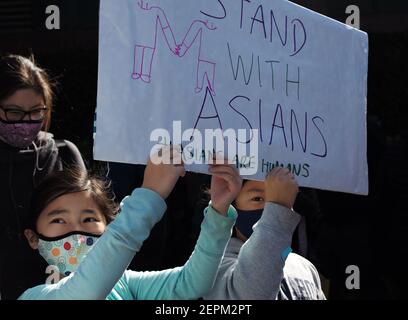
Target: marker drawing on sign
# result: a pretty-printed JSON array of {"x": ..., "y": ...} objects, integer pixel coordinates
[{"x": 144, "y": 54}]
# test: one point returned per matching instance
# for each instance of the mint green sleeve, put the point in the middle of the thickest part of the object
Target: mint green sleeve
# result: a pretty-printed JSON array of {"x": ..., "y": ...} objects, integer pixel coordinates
[
  {"x": 108, "y": 259},
  {"x": 197, "y": 276}
]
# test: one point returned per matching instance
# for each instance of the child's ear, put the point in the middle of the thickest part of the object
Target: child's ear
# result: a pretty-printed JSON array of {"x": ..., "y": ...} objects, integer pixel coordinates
[{"x": 32, "y": 238}]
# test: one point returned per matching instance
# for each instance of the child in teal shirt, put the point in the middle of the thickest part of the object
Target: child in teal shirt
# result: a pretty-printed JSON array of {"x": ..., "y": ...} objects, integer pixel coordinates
[{"x": 69, "y": 228}]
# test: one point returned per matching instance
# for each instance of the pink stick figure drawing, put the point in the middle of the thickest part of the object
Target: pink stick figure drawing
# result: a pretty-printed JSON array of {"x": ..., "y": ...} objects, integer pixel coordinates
[
  {"x": 205, "y": 67},
  {"x": 143, "y": 53}
]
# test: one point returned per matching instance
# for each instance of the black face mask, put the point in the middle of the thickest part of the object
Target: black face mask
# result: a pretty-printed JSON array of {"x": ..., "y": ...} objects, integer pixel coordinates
[{"x": 246, "y": 219}]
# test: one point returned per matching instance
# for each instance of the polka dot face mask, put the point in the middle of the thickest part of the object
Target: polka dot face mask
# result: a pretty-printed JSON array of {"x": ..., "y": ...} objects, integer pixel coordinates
[{"x": 67, "y": 251}]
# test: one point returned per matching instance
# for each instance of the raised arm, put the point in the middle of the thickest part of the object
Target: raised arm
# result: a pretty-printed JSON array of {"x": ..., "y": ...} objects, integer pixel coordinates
[
  {"x": 197, "y": 276},
  {"x": 111, "y": 255},
  {"x": 258, "y": 271}
]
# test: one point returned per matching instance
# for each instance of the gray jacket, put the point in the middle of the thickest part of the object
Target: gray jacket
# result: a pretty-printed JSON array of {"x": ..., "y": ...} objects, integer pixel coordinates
[{"x": 259, "y": 269}]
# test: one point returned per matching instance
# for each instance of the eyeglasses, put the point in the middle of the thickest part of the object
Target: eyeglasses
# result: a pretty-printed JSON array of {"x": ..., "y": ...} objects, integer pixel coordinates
[{"x": 13, "y": 113}]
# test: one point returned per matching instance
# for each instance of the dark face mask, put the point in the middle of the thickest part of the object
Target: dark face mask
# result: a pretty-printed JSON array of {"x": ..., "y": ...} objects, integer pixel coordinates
[
  {"x": 246, "y": 219},
  {"x": 19, "y": 134}
]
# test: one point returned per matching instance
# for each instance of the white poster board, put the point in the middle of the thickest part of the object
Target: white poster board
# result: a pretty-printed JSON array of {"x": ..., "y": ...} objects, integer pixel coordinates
[{"x": 296, "y": 76}]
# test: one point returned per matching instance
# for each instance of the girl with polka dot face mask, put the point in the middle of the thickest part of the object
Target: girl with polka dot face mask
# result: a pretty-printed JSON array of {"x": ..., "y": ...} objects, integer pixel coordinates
[
  {"x": 73, "y": 214},
  {"x": 70, "y": 211}
]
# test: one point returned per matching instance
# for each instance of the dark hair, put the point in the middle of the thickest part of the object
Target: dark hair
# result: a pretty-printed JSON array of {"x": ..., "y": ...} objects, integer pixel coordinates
[
  {"x": 18, "y": 72},
  {"x": 70, "y": 181}
]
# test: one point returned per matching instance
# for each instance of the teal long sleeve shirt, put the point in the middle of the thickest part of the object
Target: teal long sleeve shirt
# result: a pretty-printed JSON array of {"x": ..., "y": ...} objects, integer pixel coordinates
[{"x": 102, "y": 275}]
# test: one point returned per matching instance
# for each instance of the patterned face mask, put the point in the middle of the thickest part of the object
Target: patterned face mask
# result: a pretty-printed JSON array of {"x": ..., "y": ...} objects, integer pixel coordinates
[
  {"x": 20, "y": 134},
  {"x": 67, "y": 251}
]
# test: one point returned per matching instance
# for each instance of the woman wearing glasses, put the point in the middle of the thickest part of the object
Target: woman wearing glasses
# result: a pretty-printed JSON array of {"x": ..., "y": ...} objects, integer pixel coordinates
[{"x": 28, "y": 153}]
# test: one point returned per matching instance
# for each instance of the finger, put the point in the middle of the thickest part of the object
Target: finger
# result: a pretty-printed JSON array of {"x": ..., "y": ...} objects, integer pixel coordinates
[
  {"x": 160, "y": 152},
  {"x": 164, "y": 150},
  {"x": 180, "y": 170},
  {"x": 226, "y": 177},
  {"x": 175, "y": 150},
  {"x": 275, "y": 171},
  {"x": 177, "y": 159},
  {"x": 287, "y": 172},
  {"x": 178, "y": 162},
  {"x": 177, "y": 156},
  {"x": 225, "y": 164},
  {"x": 283, "y": 172},
  {"x": 169, "y": 152},
  {"x": 221, "y": 166},
  {"x": 219, "y": 159},
  {"x": 235, "y": 179},
  {"x": 156, "y": 156},
  {"x": 223, "y": 169}
]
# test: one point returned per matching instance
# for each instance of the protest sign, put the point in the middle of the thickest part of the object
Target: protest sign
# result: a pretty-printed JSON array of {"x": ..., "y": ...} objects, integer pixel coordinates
[{"x": 298, "y": 78}]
